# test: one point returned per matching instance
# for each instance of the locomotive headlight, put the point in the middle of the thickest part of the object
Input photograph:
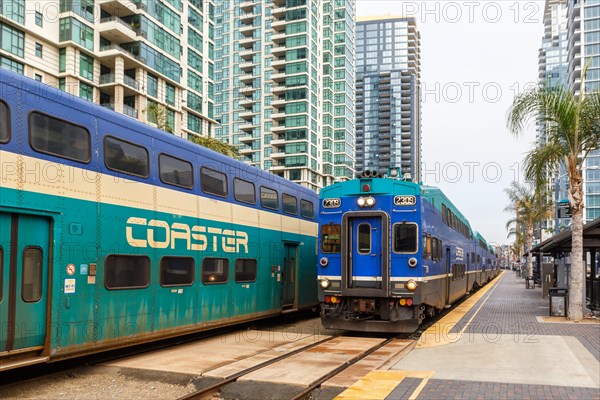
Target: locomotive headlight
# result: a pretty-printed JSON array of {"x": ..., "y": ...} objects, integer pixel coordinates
[
  {"x": 325, "y": 283},
  {"x": 361, "y": 202},
  {"x": 411, "y": 285},
  {"x": 370, "y": 201},
  {"x": 412, "y": 262},
  {"x": 323, "y": 261}
]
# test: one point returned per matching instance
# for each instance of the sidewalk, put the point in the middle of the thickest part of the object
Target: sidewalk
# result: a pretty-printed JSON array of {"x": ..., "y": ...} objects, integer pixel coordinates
[{"x": 497, "y": 346}]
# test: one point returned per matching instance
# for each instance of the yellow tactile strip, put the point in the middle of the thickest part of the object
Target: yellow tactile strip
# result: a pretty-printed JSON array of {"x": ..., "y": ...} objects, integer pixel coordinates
[
  {"x": 377, "y": 385},
  {"x": 439, "y": 334}
]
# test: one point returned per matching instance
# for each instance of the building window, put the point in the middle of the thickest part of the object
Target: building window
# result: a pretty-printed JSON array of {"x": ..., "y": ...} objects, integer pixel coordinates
[
  {"x": 62, "y": 84},
  {"x": 86, "y": 91},
  {"x": 38, "y": 77},
  {"x": 152, "y": 85},
  {"x": 13, "y": 40},
  {"x": 14, "y": 9},
  {"x": 74, "y": 30},
  {"x": 170, "y": 94},
  {"x": 11, "y": 65},
  {"x": 39, "y": 19},
  {"x": 86, "y": 66},
  {"x": 39, "y": 50},
  {"x": 62, "y": 60}
]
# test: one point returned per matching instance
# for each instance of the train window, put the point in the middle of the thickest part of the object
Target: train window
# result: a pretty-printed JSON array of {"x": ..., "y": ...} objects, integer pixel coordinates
[
  {"x": 405, "y": 238},
  {"x": 244, "y": 191},
  {"x": 268, "y": 198},
  {"x": 215, "y": 270},
  {"x": 126, "y": 272},
  {"x": 472, "y": 258},
  {"x": 176, "y": 172},
  {"x": 31, "y": 285},
  {"x": 428, "y": 253},
  {"x": 444, "y": 216},
  {"x": 440, "y": 251},
  {"x": 126, "y": 157},
  {"x": 4, "y": 122},
  {"x": 364, "y": 239},
  {"x": 176, "y": 271},
  {"x": 478, "y": 259},
  {"x": 290, "y": 204},
  {"x": 245, "y": 270},
  {"x": 213, "y": 182},
  {"x": 434, "y": 249},
  {"x": 307, "y": 209},
  {"x": 59, "y": 138},
  {"x": 331, "y": 238}
]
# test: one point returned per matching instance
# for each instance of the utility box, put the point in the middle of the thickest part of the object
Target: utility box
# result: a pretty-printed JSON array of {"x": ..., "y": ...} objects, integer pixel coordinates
[{"x": 547, "y": 278}]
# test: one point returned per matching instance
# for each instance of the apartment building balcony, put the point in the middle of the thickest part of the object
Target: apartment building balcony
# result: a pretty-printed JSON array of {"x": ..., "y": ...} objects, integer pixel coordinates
[
  {"x": 247, "y": 66},
  {"x": 278, "y": 116},
  {"x": 116, "y": 30},
  {"x": 279, "y": 26},
  {"x": 247, "y": 139},
  {"x": 247, "y": 54},
  {"x": 248, "y": 17},
  {"x": 279, "y": 51},
  {"x": 110, "y": 106},
  {"x": 278, "y": 129},
  {"x": 247, "y": 42},
  {"x": 247, "y": 102},
  {"x": 247, "y": 115},
  {"x": 247, "y": 30},
  {"x": 246, "y": 150},
  {"x": 279, "y": 62},
  {"x": 279, "y": 90},
  {"x": 110, "y": 79},
  {"x": 280, "y": 101},
  {"x": 278, "y": 167},
  {"x": 121, "y": 8},
  {"x": 247, "y": 6},
  {"x": 278, "y": 142},
  {"x": 279, "y": 77},
  {"x": 279, "y": 38},
  {"x": 246, "y": 90},
  {"x": 248, "y": 128},
  {"x": 248, "y": 78},
  {"x": 130, "y": 111},
  {"x": 108, "y": 53},
  {"x": 279, "y": 155}
]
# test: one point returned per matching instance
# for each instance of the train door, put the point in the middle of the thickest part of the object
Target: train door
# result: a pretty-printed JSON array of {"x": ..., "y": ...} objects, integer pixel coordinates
[
  {"x": 24, "y": 271},
  {"x": 448, "y": 277},
  {"x": 290, "y": 268},
  {"x": 366, "y": 255}
]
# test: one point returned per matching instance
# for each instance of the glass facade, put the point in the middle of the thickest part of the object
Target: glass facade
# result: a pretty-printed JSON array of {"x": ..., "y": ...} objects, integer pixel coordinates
[
  {"x": 275, "y": 85},
  {"x": 388, "y": 112}
]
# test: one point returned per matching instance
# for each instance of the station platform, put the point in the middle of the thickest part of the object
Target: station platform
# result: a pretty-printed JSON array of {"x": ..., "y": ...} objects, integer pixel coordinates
[{"x": 498, "y": 344}]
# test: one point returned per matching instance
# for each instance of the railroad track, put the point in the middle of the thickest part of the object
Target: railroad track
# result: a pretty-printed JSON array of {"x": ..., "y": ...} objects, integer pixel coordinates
[{"x": 316, "y": 384}]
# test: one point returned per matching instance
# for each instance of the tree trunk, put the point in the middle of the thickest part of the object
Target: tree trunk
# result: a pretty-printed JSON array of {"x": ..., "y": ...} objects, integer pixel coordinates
[
  {"x": 575, "y": 312},
  {"x": 529, "y": 247}
]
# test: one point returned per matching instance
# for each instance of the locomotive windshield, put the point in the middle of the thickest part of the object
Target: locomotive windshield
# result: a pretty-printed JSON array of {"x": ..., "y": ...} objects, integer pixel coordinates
[
  {"x": 331, "y": 239},
  {"x": 405, "y": 238}
]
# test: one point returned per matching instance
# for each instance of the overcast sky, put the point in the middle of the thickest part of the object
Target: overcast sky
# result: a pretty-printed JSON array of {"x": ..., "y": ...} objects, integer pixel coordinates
[{"x": 475, "y": 55}]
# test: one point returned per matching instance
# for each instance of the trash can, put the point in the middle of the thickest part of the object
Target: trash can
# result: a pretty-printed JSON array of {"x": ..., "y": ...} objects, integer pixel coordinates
[{"x": 559, "y": 301}]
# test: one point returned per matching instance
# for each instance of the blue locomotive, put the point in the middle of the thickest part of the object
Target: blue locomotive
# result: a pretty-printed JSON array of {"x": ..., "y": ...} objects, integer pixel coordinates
[{"x": 392, "y": 252}]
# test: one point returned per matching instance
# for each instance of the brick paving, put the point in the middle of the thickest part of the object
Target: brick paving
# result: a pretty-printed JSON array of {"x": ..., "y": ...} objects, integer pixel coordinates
[
  {"x": 510, "y": 309},
  {"x": 463, "y": 390}
]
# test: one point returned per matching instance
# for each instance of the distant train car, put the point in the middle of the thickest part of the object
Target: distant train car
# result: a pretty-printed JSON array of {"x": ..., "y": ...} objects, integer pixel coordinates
[
  {"x": 393, "y": 252},
  {"x": 114, "y": 233}
]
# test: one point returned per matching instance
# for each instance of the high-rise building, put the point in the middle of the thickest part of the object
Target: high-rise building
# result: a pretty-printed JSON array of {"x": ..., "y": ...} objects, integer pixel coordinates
[
  {"x": 148, "y": 59},
  {"x": 284, "y": 76},
  {"x": 584, "y": 51},
  {"x": 553, "y": 73},
  {"x": 388, "y": 100}
]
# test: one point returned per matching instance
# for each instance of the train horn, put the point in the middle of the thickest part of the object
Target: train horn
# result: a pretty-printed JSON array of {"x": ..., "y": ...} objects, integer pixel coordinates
[{"x": 367, "y": 173}]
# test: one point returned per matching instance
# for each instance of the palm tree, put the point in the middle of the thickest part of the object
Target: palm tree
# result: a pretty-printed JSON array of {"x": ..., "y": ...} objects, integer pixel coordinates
[
  {"x": 529, "y": 205},
  {"x": 572, "y": 127},
  {"x": 215, "y": 144}
]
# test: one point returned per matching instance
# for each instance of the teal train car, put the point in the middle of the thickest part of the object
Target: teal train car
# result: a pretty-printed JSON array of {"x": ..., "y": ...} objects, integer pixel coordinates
[
  {"x": 393, "y": 252},
  {"x": 114, "y": 233}
]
